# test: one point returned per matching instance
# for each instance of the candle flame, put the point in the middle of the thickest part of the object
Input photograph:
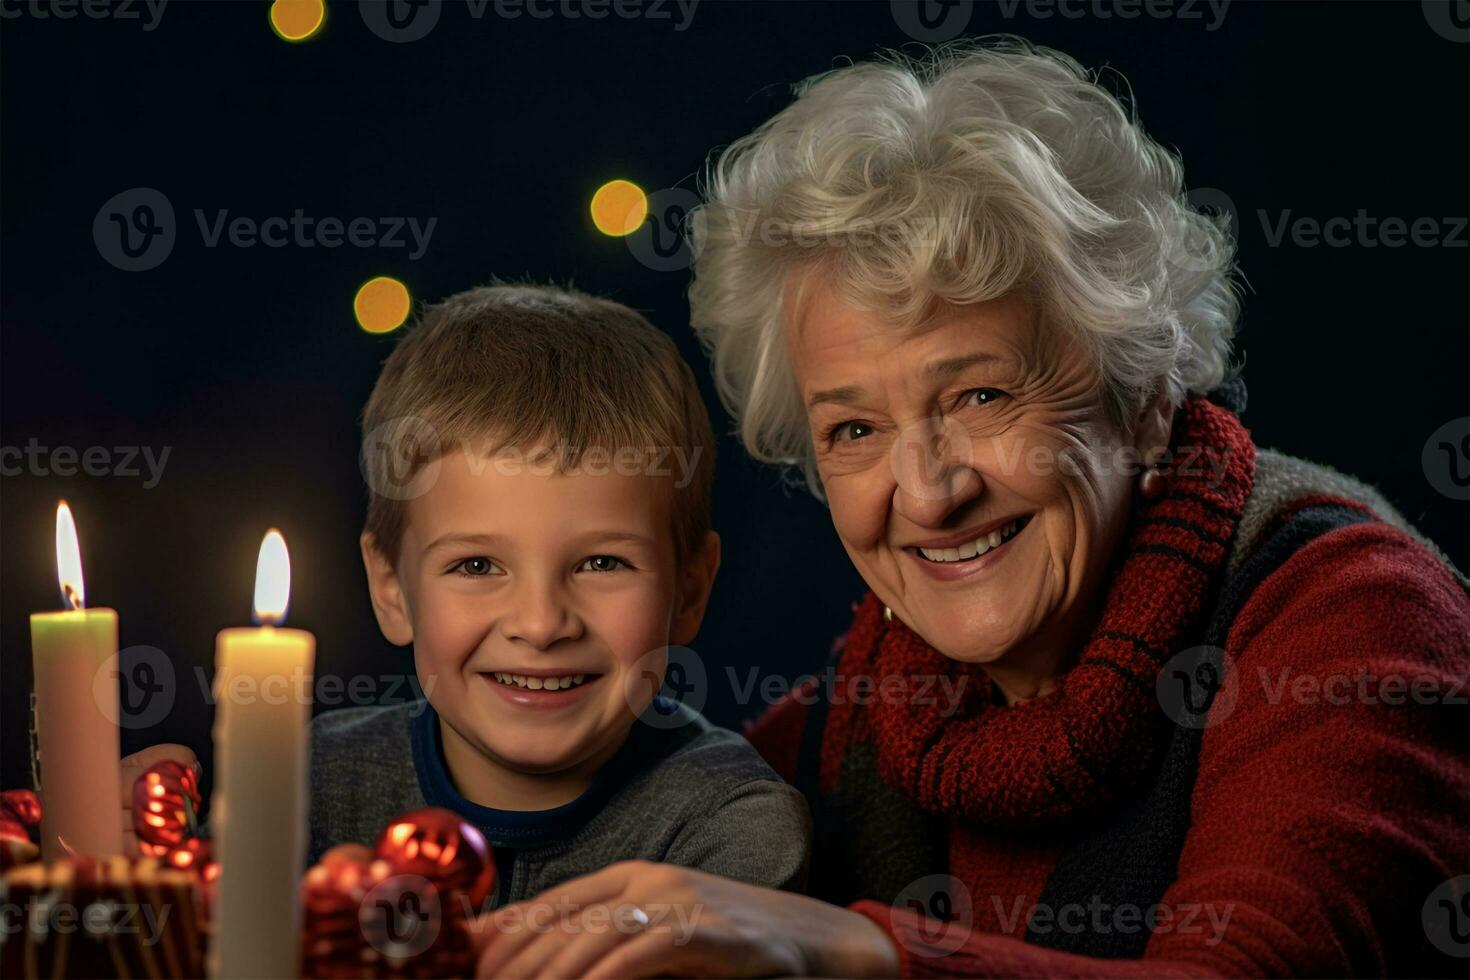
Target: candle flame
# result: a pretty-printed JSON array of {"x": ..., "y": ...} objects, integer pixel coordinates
[
  {"x": 69, "y": 559},
  {"x": 272, "y": 579}
]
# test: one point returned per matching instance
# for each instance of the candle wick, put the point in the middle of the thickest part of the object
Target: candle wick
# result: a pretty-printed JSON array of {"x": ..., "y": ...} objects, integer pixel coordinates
[{"x": 70, "y": 596}]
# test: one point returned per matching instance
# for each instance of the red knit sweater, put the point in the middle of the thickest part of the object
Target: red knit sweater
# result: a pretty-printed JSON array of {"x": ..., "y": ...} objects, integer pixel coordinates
[{"x": 1320, "y": 820}]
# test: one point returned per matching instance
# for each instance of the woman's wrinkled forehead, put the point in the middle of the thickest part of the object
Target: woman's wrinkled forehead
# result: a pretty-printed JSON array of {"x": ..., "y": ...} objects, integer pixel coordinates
[{"x": 822, "y": 321}]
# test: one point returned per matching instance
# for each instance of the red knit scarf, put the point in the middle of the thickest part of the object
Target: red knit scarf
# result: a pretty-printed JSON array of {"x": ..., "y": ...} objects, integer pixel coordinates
[{"x": 1045, "y": 761}]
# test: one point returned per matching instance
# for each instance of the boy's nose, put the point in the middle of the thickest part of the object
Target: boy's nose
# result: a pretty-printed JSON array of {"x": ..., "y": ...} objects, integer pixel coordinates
[{"x": 540, "y": 616}]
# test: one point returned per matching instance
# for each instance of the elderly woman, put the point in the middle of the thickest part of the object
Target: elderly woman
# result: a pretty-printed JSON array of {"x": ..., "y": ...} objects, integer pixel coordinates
[{"x": 1129, "y": 696}]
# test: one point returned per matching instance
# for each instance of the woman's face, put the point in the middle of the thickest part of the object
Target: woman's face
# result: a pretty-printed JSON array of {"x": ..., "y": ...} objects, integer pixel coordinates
[{"x": 972, "y": 471}]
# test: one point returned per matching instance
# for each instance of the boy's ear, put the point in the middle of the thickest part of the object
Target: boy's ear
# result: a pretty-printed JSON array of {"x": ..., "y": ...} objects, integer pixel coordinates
[
  {"x": 696, "y": 581},
  {"x": 387, "y": 594}
]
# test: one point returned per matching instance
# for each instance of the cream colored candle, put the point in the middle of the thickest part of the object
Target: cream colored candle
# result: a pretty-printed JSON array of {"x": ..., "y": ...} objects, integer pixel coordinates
[
  {"x": 76, "y": 733},
  {"x": 262, "y": 709}
]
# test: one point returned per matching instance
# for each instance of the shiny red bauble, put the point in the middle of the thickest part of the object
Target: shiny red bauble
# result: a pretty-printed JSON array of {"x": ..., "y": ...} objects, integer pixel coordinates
[
  {"x": 165, "y": 803},
  {"x": 444, "y": 848},
  {"x": 20, "y": 814}
]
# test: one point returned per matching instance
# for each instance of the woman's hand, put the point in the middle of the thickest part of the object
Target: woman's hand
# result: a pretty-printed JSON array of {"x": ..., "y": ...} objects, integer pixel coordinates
[{"x": 698, "y": 925}]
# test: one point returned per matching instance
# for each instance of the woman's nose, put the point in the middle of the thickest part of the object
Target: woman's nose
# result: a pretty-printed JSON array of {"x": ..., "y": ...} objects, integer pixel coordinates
[{"x": 933, "y": 471}]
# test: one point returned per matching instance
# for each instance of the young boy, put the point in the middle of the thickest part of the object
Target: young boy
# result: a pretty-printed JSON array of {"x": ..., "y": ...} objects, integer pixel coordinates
[{"x": 539, "y": 465}]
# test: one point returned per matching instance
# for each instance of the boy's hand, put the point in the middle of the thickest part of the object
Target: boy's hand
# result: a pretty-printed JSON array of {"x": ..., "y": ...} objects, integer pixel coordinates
[
  {"x": 133, "y": 766},
  {"x": 346, "y": 854}
]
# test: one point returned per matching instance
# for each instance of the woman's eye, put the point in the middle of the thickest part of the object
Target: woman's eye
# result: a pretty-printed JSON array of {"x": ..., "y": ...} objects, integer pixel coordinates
[
  {"x": 603, "y": 563},
  {"x": 983, "y": 396},
  {"x": 849, "y": 431},
  {"x": 475, "y": 567}
]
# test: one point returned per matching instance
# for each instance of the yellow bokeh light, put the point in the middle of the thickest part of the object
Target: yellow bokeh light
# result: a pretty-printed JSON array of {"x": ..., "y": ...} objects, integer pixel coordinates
[
  {"x": 619, "y": 207},
  {"x": 381, "y": 305},
  {"x": 297, "y": 20}
]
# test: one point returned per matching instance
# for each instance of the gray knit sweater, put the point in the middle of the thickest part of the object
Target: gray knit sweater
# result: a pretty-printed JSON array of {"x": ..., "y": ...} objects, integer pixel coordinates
[{"x": 683, "y": 792}]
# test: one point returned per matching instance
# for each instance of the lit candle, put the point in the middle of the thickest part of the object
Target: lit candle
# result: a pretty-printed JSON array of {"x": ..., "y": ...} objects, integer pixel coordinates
[
  {"x": 263, "y": 706},
  {"x": 76, "y": 733}
]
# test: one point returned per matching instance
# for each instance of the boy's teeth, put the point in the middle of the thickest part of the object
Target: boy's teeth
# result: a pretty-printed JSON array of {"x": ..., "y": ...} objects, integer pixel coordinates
[
  {"x": 976, "y": 548},
  {"x": 539, "y": 683}
]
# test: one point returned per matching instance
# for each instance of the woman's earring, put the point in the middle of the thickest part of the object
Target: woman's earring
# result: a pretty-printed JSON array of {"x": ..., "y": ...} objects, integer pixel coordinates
[
  {"x": 887, "y": 615},
  {"x": 1153, "y": 483}
]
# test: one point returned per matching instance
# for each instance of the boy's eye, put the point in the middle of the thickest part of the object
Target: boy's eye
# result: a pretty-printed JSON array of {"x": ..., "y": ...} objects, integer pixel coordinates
[
  {"x": 603, "y": 563},
  {"x": 476, "y": 567}
]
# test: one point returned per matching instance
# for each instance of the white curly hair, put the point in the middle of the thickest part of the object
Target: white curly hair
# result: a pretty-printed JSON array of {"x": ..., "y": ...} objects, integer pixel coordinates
[{"x": 979, "y": 168}]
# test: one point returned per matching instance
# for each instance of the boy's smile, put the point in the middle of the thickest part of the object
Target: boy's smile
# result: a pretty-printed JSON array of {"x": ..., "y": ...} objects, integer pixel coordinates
[{"x": 536, "y": 602}]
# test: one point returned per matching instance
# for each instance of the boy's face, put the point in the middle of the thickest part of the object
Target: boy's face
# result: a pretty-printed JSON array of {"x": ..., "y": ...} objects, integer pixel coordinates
[{"x": 520, "y": 570}]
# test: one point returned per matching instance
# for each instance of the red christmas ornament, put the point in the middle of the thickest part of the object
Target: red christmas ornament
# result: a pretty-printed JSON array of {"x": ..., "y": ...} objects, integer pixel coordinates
[
  {"x": 332, "y": 945},
  {"x": 165, "y": 801},
  {"x": 368, "y": 919},
  {"x": 191, "y": 855},
  {"x": 444, "y": 848},
  {"x": 20, "y": 811}
]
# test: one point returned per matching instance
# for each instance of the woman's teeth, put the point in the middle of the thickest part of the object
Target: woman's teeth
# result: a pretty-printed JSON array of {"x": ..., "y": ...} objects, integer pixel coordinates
[
  {"x": 540, "y": 683},
  {"x": 975, "y": 548}
]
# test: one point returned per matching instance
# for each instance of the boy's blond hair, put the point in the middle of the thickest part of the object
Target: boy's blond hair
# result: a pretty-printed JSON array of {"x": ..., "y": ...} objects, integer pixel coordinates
[{"x": 547, "y": 369}]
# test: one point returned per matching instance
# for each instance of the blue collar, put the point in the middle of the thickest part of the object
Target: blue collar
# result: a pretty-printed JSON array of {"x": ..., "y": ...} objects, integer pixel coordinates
[{"x": 521, "y": 828}]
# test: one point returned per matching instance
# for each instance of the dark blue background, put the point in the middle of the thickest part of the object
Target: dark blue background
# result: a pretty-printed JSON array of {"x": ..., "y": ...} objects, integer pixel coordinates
[{"x": 247, "y": 362}]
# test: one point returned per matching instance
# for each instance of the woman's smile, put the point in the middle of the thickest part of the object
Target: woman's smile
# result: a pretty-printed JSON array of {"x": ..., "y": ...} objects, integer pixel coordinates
[{"x": 977, "y": 551}]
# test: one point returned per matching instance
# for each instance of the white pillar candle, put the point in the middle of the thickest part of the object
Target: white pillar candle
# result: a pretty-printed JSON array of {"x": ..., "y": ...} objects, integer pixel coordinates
[
  {"x": 262, "y": 710},
  {"x": 76, "y": 733}
]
